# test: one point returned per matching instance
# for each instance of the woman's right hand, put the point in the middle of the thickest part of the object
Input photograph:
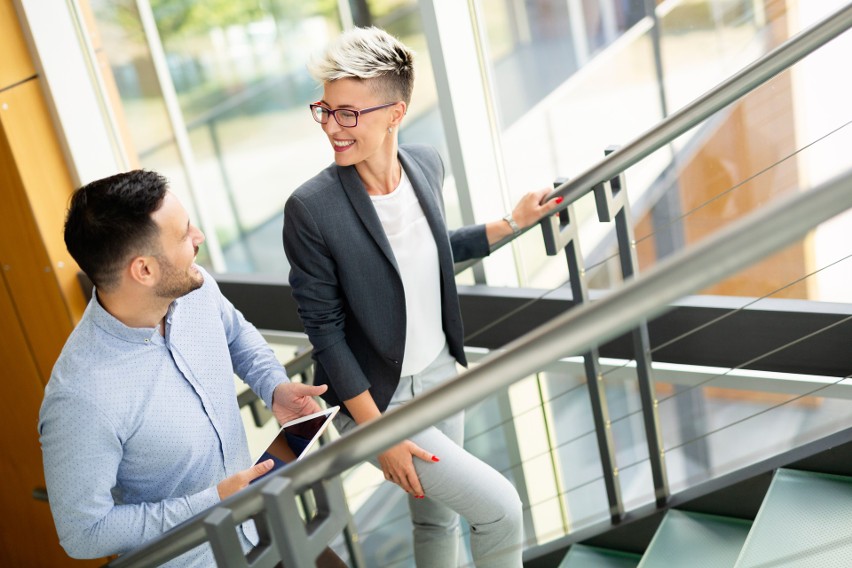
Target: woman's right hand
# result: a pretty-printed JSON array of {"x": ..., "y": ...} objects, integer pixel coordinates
[{"x": 398, "y": 466}]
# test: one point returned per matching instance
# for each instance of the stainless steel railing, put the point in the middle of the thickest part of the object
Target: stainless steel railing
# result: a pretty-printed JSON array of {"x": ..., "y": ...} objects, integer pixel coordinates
[
  {"x": 730, "y": 90},
  {"x": 578, "y": 330},
  {"x": 584, "y": 327}
]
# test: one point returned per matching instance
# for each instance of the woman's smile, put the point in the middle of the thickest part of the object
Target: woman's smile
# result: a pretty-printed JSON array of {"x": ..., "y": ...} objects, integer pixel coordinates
[{"x": 341, "y": 145}]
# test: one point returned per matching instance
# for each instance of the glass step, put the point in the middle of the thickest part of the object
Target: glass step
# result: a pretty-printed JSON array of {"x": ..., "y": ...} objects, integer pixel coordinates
[
  {"x": 582, "y": 556},
  {"x": 696, "y": 540},
  {"x": 805, "y": 521}
]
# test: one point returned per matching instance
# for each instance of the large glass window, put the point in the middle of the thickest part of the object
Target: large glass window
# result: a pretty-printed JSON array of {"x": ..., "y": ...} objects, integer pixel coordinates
[
  {"x": 237, "y": 70},
  {"x": 534, "y": 46}
]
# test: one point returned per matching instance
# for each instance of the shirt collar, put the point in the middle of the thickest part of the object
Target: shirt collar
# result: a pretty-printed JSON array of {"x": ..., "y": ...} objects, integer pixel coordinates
[{"x": 107, "y": 322}]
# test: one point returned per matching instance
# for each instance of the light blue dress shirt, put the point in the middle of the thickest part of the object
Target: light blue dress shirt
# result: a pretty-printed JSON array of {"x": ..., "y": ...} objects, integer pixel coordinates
[{"x": 137, "y": 429}]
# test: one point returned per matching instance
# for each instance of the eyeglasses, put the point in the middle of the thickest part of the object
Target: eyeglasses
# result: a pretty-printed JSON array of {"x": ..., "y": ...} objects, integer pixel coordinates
[{"x": 346, "y": 117}]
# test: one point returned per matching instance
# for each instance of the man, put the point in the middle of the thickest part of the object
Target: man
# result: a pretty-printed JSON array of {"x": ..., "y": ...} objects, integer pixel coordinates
[{"x": 140, "y": 427}]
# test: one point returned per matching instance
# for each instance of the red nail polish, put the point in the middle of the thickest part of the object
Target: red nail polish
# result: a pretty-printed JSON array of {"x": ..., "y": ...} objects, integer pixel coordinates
[
  {"x": 435, "y": 459},
  {"x": 559, "y": 200}
]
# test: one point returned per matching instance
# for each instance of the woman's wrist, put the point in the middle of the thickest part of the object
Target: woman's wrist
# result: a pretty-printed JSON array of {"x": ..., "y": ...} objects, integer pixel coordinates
[{"x": 510, "y": 220}]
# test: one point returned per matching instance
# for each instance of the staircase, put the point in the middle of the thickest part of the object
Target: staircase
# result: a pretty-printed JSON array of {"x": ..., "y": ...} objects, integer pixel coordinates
[{"x": 804, "y": 521}]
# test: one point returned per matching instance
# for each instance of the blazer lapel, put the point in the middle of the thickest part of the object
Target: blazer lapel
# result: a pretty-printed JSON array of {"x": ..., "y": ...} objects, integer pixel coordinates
[
  {"x": 360, "y": 199},
  {"x": 431, "y": 208}
]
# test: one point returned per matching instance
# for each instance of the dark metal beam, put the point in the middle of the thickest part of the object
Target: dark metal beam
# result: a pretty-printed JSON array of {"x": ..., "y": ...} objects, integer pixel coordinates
[{"x": 266, "y": 301}]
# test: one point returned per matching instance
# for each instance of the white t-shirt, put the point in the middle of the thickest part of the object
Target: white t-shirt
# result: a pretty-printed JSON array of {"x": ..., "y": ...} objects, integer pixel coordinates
[{"x": 417, "y": 257}]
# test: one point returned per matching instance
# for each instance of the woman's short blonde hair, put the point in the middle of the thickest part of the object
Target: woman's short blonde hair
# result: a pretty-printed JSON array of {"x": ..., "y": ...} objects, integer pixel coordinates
[{"x": 369, "y": 54}]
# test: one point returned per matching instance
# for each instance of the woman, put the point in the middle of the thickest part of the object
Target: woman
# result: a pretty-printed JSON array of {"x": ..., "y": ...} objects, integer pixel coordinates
[{"x": 372, "y": 273}]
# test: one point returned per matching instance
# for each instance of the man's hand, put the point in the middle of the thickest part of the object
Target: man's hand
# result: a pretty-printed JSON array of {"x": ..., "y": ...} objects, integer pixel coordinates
[
  {"x": 398, "y": 466},
  {"x": 291, "y": 400},
  {"x": 231, "y": 485}
]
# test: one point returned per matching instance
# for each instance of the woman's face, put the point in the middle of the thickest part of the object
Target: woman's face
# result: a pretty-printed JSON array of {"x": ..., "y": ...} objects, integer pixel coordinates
[{"x": 370, "y": 138}]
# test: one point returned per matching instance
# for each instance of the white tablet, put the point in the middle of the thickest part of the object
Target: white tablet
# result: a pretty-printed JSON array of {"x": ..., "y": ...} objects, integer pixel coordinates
[{"x": 295, "y": 438}]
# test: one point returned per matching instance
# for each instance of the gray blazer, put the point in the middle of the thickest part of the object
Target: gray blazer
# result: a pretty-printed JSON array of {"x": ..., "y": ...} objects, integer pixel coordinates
[{"x": 346, "y": 282}]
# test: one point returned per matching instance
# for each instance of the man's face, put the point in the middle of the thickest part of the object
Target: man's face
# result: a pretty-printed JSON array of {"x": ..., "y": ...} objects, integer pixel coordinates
[{"x": 179, "y": 242}]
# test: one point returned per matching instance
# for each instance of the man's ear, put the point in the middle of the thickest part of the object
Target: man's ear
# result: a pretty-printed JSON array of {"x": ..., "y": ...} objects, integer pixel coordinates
[{"x": 143, "y": 270}]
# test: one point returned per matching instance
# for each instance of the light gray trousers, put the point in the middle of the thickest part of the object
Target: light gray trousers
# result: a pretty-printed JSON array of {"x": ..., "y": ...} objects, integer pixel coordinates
[{"x": 460, "y": 484}]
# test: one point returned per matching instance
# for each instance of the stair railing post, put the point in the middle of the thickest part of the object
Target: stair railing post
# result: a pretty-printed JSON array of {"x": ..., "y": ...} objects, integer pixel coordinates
[
  {"x": 613, "y": 203},
  {"x": 299, "y": 542},
  {"x": 561, "y": 231},
  {"x": 221, "y": 529}
]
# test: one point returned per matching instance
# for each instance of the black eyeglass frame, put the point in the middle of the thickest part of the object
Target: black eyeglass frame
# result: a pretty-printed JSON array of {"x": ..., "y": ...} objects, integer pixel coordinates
[{"x": 333, "y": 112}]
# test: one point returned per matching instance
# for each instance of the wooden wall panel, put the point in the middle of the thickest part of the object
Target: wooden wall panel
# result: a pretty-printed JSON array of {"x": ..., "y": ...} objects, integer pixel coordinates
[
  {"x": 27, "y": 534},
  {"x": 40, "y": 273},
  {"x": 17, "y": 65}
]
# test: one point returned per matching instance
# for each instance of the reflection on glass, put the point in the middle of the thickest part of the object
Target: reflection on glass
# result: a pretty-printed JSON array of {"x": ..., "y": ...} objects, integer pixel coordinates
[
  {"x": 783, "y": 137},
  {"x": 728, "y": 180},
  {"x": 741, "y": 427},
  {"x": 714, "y": 421},
  {"x": 535, "y": 46},
  {"x": 578, "y": 462},
  {"x": 144, "y": 112},
  {"x": 238, "y": 71},
  {"x": 613, "y": 101},
  {"x": 703, "y": 43}
]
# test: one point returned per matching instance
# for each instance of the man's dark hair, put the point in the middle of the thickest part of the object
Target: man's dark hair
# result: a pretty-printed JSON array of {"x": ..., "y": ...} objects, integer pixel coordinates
[{"x": 109, "y": 220}]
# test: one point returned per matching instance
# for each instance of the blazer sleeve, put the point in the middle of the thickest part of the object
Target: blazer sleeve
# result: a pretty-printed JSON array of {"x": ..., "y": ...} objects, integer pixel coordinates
[
  {"x": 469, "y": 242},
  {"x": 313, "y": 278}
]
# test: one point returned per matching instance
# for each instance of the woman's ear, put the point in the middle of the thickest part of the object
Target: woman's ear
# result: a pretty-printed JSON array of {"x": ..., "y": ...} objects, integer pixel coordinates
[{"x": 398, "y": 113}]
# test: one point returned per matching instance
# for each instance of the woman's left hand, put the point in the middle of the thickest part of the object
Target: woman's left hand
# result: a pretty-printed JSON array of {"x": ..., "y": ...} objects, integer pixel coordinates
[
  {"x": 398, "y": 466},
  {"x": 530, "y": 208}
]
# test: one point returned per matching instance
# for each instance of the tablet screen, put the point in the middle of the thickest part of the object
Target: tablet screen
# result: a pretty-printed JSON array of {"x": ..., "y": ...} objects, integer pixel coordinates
[{"x": 295, "y": 438}]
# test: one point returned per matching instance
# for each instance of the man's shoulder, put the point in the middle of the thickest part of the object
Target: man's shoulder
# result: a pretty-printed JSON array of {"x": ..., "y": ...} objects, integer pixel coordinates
[{"x": 87, "y": 356}]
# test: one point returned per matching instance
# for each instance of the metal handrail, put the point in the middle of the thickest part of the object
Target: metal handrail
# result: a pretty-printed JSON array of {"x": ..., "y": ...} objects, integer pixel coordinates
[
  {"x": 726, "y": 92},
  {"x": 577, "y": 330},
  {"x": 586, "y": 326}
]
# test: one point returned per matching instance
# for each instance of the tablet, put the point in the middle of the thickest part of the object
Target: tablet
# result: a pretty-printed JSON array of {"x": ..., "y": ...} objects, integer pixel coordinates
[{"x": 295, "y": 438}]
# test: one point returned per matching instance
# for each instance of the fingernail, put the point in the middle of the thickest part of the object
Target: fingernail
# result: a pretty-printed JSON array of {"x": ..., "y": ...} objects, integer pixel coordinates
[
  {"x": 419, "y": 496},
  {"x": 559, "y": 200},
  {"x": 435, "y": 459}
]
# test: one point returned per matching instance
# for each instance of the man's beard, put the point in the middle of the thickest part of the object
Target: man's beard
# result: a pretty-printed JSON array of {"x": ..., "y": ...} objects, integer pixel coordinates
[{"x": 176, "y": 283}]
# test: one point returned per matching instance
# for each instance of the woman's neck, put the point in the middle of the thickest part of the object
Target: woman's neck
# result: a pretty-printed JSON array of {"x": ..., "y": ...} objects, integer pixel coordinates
[{"x": 380, "y": 174}]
